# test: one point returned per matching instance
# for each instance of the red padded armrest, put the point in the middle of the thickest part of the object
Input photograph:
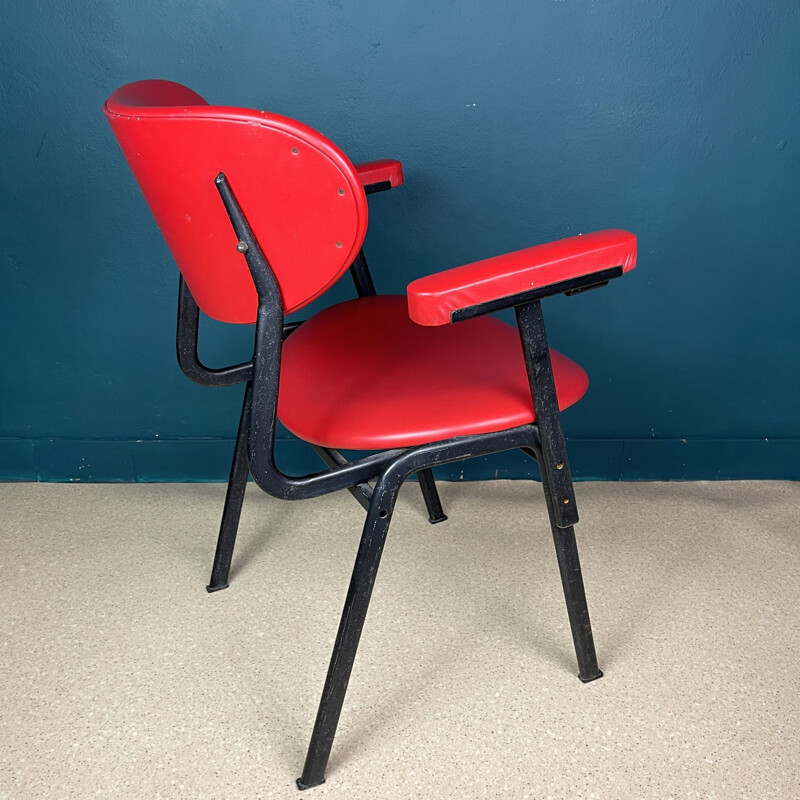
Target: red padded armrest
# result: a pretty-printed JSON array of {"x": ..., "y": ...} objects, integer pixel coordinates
[
  {"x": 433, "y": 299},
  {"x": 387, "y": 169}
]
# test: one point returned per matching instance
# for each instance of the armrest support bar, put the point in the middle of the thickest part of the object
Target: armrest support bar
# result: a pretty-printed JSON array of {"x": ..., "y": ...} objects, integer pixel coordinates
[
  {"x": 377, "y": 176},
  {"x": 186, "y": 346},
  {"x": 568, "y": 265}
]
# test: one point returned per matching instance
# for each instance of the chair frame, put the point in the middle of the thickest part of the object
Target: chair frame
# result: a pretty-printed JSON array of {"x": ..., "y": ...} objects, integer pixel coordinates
[{"x": 542, "y": 440}]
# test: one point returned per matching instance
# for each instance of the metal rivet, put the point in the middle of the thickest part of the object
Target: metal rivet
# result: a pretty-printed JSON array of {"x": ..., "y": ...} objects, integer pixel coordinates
[
  {"x": 294, "y": 151},
  {"x": 242, "y": 247},
  {"x": 338, "y": 244},
  {"x": 566, "y": 501},
  {"x": 341, "y": 191},
  {"x": 560, "y": 465}
]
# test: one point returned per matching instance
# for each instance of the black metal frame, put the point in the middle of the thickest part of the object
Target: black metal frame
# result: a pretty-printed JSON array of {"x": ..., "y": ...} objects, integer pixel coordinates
[{"x": 375, "y": 480}]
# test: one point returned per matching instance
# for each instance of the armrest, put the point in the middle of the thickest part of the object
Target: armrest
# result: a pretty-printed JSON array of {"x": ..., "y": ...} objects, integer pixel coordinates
[
  {"x": 568, "y": 265},
  {"x": 375, "y": 176}
]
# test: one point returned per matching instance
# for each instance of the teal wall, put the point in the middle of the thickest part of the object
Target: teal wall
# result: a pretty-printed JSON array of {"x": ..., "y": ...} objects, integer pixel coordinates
[{"x": 517, "y": 121}]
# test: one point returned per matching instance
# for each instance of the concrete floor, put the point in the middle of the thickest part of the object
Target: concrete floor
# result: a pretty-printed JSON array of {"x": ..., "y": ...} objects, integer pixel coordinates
[{"x": 122, "y": 678}]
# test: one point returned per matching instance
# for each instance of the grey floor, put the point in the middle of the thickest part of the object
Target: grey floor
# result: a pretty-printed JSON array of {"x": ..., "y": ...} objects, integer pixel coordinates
[{"x": 122, "y": 678}]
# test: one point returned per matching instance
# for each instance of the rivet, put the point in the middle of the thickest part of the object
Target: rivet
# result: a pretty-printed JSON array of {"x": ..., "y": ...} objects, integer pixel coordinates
[
  {"x": 294, "y": 151},
  {"x": 341, "y": 191},
  {"x": 242, "y": 247},
  {"x": 560, "y": 465},
  {"x": 566, "y": 501},
  {"x": 338, "y": 244}
]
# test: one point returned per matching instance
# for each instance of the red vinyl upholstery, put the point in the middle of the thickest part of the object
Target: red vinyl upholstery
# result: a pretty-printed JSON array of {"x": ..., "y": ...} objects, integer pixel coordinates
[
  {"x": 304, "y": 198},
  {"x": 362, "y": 375},
  {"x": 432, "y": 299},
  {"x": 387, "y": 169}
]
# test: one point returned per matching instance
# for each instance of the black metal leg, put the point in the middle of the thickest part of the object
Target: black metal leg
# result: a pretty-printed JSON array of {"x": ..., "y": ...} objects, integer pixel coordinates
[
  {"x": 554, "y": 464},
  {"x": 571, "y": 579},
  {"x": 350, "y": 626},
  {"x": 237, "y": 483},
  {"x": 431, "y": 495}
]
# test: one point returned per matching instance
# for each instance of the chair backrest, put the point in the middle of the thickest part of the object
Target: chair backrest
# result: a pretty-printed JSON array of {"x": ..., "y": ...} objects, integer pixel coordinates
[{"x": 299, "y": 192}]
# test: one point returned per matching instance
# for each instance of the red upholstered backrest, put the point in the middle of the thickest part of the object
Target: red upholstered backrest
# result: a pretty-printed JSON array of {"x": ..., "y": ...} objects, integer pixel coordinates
[{"x": 299, "y": 192}]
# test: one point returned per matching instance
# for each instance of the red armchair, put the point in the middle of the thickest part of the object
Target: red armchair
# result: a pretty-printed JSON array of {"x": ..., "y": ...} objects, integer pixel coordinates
[{"x": 262, "y": 215}]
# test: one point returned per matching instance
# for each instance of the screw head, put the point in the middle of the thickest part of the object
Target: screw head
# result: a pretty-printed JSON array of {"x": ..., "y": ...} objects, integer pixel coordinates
[
  {"x": 560, "y": 465},
  {"x": 338, "y": 244},
  {"x": 294, "y": 151},
  {"x": 566, "y": 501},
  {"x": 242, "y": 247}
]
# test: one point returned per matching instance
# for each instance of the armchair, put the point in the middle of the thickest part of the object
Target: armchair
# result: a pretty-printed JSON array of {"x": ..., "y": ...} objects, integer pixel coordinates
[{"x": 262, "y": 215}]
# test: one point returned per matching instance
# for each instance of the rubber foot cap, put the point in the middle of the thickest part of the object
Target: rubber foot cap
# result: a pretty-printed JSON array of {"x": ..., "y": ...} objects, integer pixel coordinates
[
  {"x": 593, "y": 677},
  {"x": 303, "y": 786}
]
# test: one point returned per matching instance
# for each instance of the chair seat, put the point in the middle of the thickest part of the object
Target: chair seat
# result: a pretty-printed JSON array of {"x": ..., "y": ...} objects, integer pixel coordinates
[{"x": 362, "y": 375}]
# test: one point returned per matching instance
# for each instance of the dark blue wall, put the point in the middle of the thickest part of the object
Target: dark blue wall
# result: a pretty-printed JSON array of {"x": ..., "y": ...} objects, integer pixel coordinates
[{"x": 517, "y": 122}]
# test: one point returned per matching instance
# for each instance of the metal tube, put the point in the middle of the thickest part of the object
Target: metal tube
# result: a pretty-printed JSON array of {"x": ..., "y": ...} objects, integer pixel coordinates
[
  {"x": 234, "y": 497},
  {"x": 431, "y": 496}
]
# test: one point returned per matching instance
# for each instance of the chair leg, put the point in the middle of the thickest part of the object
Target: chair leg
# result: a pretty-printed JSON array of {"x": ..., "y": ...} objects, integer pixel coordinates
[
  {"x": 572, "y": 581},
  {"x": 431, "y": 495},
  {"x": 349, "y": 634},
  {"x": 237, "y": 483}
]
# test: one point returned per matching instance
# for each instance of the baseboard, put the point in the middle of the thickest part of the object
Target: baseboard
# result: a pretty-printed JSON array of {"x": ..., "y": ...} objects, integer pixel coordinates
[{"x": 154, "y": 460}]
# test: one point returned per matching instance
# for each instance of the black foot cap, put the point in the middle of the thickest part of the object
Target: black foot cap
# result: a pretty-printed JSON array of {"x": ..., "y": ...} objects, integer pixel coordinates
[
  {"x": 211, "y": 588},
  {"x": 592, "y": 678},
  {"x": 303, "y": 786},
  {"x": 434, "y": 520}
]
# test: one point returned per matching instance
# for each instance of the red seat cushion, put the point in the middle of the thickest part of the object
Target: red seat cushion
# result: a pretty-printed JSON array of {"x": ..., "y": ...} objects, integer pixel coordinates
[{"x": 362, "y": 375}]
